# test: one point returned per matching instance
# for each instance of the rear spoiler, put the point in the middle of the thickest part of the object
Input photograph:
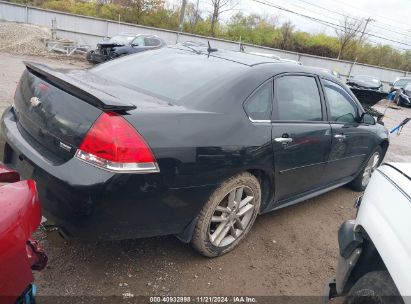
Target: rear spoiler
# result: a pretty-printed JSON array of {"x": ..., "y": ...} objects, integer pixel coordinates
[{"x": 78, "y": 89}]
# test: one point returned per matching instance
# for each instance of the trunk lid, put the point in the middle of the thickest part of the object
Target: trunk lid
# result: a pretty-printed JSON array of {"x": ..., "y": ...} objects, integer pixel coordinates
[
  {"x": 55, "y": 108},
  {"x": 54, "y": 111}
]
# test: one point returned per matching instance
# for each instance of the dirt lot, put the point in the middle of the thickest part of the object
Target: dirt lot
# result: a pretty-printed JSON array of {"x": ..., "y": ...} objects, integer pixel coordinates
[{"x": 290, "y": 252}]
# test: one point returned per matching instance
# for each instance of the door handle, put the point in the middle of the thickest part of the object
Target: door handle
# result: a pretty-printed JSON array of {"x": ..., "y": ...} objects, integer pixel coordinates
[
  {"x": 283, "y": 140},
  {"x": 340, "y": 136}
]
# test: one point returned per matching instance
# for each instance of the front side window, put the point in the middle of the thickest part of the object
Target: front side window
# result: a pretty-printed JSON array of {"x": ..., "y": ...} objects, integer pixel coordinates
[
  {"x": 139, "y": 41},
  {"x": 258, "y": 105},
  {"x": 342, "y": 107},
  {"x": 297, "y": 98}
]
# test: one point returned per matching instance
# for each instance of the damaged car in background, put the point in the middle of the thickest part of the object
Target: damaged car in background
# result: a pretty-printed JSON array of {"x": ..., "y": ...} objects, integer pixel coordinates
[
  {"x": 123, "y": 44},
  {"x": 402, "y": 87},
  {"x": 368, "y": 89}
]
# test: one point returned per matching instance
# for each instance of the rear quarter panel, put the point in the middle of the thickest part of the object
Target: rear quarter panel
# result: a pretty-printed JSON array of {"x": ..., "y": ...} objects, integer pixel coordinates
[
  {"x": 207, "y": 137},
  {"x": 203, "y": 148}
]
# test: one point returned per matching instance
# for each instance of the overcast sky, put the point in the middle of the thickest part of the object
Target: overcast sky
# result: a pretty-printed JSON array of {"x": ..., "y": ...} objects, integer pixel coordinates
[{"x": 391, "y": 18}]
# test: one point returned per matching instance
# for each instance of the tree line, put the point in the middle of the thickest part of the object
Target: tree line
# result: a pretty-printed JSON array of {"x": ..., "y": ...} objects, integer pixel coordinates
[{"x": 350, "y": 42}]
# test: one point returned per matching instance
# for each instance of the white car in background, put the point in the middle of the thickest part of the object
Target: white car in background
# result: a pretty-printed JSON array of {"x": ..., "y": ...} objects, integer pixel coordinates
[{"x": 375, "y": 249}]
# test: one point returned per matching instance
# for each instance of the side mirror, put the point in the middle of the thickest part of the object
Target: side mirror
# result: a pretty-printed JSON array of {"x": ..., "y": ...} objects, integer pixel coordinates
[
  {"x": 134, "y": 44},
  {"x": 391, "y": 84},
  {"x": 368, "y": 119}
]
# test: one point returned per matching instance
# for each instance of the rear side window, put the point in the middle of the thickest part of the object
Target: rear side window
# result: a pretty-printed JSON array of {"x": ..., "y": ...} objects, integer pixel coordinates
[
  {"x": 258, "y": 105},
  {"x": 342, "y": 107},
  {"x": 297, "y": 98},
  {"x": 151, "y": 42}
]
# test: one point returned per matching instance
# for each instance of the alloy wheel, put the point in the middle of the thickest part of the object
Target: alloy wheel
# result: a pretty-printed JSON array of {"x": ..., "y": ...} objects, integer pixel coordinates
[
  {"x": 232, "y": 216},
  {"x": 370, "y": 168}
]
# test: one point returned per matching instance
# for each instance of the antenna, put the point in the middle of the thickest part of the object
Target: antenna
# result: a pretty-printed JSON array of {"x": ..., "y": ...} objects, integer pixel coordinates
[{"x": 210, "y": 49}]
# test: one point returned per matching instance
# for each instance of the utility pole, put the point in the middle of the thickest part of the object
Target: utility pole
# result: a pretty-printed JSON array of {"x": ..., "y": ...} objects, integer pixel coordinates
[
  {"x": 197, "y": 8},
  {"x": 407, "y": 38},
  {"x": 181, "y": 23},
  {"x": 368, "y": 20}
]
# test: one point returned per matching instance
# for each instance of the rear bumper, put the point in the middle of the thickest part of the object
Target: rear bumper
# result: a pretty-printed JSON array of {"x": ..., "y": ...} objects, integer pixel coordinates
[{"x": 89, "y": 203}]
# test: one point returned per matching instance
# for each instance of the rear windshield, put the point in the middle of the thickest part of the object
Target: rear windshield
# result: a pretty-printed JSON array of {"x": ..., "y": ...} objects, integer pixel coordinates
[{"x": 167, "y": 73}]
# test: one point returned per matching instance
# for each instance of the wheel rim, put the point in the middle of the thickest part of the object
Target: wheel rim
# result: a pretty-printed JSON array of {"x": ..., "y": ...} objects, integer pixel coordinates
[
  {"x": 232, "y": 216},
  {"x": 370, "y": 168}
]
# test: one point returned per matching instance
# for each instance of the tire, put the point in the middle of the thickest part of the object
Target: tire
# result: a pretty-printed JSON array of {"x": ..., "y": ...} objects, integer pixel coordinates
[
  {"x": 399, "y": 103},
  {"x": 376, "y": 287},
  {"x": 239, "y": 194},
  {"x": 362, "y": 179}
]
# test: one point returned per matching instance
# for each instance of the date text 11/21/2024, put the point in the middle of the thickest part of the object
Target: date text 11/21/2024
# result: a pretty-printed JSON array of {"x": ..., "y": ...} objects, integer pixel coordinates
[{"x": 203, "y": 299}]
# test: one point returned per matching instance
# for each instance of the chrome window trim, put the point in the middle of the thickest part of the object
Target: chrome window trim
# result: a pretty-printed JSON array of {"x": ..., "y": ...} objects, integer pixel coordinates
[{"x": 259, "y": 120}]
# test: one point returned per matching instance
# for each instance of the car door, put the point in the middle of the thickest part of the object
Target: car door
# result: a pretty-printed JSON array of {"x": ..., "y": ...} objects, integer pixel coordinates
[
  {"x": 301, "y": 136},
  {"x": 351, "y": 140}
]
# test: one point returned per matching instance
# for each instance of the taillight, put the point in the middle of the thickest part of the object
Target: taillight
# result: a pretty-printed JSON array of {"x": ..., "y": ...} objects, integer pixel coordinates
[{"x": 114, "y": 145}]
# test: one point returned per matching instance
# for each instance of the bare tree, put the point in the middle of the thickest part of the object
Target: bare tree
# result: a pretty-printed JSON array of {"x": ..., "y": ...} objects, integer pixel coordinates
[
  {"x": 219, "y": 7},
  {"x": 350, "y": 30},
  {"x": 286, "y": 34},
  {"x": 193, "y": 16}
]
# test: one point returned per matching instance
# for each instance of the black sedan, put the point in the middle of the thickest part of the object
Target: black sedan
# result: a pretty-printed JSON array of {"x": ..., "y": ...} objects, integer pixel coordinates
[
  {"x": 188, "y": 141},
  {"x": 123, "y": 44}
]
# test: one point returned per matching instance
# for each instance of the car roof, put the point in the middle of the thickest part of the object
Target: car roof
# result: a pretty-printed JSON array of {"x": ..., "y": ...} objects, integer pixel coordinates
[
  {"x": 243, "y": 58},
  {"x": 268, "y": 55},
  {"x": 263, "y": 67},
  {"x": 248, "y": 59},
  {"x": 136, "y": 35},
  {"x": 365, "y": 76},
  {"x": 126, "y": 34}
]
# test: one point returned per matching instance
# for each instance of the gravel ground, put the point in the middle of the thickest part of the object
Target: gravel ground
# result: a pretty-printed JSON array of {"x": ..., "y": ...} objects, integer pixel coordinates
[
  {"x": 27, "y": 39},
  {"x": 289, "y": 252},
  {"x": 19, "y": 38}
]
